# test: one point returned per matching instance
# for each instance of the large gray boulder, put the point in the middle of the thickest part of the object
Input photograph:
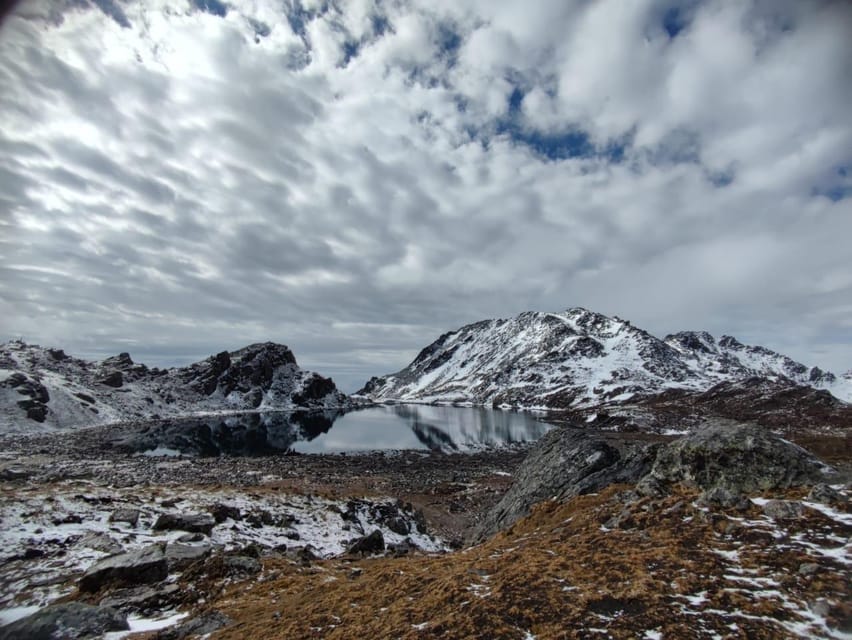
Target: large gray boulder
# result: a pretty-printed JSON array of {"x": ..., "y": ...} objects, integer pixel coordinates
[
  {"x": 565, "y": 463},
  {"x": 141, "y": 566},
  {"x": 67, "y": 621},
  {"x": 723, "y": 455},
  {"x": 742, "y": 458}
]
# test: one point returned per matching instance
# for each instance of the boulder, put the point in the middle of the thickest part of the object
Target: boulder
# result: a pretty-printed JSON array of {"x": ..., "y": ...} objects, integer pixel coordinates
[
  {"x": 721, "y": 498},
  {"x": 826, "y": 494},
  {"x": 784, "y": 509},
  {"x": 141, "y": 566},
  {"x": 742, "y": 458},
  {"x": 372, "y": 543},
  {"x": 203, "y": 625},
  {"x": 111, "y": 379},
  {"x": 129, "y": 516},
  {"x": 67, "y": 621},
  {"x": 222, "y": 512},
  {"x": 180, "y": 556},
  {"x": 191, "y": 522},
  {"x": 565, "y": 463}
]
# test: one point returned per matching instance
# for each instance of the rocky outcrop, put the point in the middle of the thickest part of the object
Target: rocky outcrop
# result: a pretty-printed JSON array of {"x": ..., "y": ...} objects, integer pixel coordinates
[
  {"x": 741, "y": 458},
  {"x": 141, "y": 566},
  {"x": 565, "y": 463},
  {"x": 45, "y": 385},
  {"x": 67, "y": 621},
  {"x": 725, "y": 458}
]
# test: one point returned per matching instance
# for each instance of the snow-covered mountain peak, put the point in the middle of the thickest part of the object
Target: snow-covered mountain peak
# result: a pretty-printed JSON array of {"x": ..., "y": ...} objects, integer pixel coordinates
[{"x": 577, "y": 358}]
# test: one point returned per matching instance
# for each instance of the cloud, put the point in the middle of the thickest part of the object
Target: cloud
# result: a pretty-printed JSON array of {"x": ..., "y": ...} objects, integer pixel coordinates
[{"x": 353, "y": 179}]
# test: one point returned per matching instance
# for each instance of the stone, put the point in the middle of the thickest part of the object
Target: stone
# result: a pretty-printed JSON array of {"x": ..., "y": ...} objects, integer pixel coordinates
[
  {"x": 242, "y": 565},
  {"x": 222, "y": 512},
  {"x": 190, "y": 522},
  {"x": 721, "y": 498},
  {"x": 566, "y": 462},
  {"x": 67, "y": 621},
  {"x": 742, "y": 458},
  {"x": 826, "y": 494},
  {"x": 784, "y": 509},
  {"x": 113, "y": 379},
  {"x": 145, "y": 597},
  {"x": 129, "y": 516},
  {"x": 369, "y": 544},
  {"x": 808, "y": 568},
  {"x": 140, "y": 566},
  {"x": 180, "y": 556},
  {"x": 100, "y": 542},
  {"x": 200, "y": 626}
]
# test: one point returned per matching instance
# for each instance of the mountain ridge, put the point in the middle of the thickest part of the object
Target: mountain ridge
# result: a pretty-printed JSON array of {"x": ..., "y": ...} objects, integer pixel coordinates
[
  {"x": 580, "y": 358},
  {"x": 45, "y": 386}
]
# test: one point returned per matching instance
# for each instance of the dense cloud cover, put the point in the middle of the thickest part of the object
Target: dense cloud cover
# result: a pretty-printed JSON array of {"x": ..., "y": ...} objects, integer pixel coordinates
[{"x": 354, "y": 178}]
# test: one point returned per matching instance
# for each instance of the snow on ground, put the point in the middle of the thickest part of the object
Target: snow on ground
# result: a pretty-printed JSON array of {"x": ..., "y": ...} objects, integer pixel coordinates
[{"x": 50, "y": 536}]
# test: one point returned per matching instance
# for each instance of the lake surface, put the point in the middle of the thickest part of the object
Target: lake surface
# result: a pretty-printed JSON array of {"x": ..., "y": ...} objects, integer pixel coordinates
[{"x": 422, "y": 427}]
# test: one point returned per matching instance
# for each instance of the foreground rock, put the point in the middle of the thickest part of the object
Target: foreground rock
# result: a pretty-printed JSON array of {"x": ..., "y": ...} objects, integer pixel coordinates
[
  {"x": 68, "y": 621},
  {"x": 730, "y": 457},
  {"x": 142, "y": 566},
  {"x": 565, "y": 463},
  {"x": 190, "y": 522},
  {"x": 737, "y": 457}
]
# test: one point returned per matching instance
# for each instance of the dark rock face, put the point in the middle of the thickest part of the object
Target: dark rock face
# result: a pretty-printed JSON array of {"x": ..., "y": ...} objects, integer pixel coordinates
[
  {"x": 565, "y": 463},
  {"x": 191, "y": 522},
  {"x": 137, "y": 567},
  {"x": 68, "y": 621},
  {"x": 372, "y": 543},
  {"x": 741, "y": 458},
  {"x": 111, "y": 379}
]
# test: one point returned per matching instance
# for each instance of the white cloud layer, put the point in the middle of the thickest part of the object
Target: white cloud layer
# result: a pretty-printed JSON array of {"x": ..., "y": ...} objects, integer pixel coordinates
[{"x": 353, "y": 178}]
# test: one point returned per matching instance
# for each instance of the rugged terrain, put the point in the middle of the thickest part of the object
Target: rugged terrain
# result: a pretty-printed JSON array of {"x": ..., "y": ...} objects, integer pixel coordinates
[
  {"x": 727, "y": 531},
  {"x": 581, "y": 359},
  {"x": 45, "y": 386}
]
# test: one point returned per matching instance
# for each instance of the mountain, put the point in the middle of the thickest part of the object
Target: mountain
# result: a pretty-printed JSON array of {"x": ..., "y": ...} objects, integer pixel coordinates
[
  {"x": 48, "y": 387},
  {"x": 579, "y": 358}
]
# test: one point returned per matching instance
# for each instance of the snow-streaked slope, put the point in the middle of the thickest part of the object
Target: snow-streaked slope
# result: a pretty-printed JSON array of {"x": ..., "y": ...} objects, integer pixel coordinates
[
  {"x": 573, "y": 359},
  {"x": 45, "y": 388}
]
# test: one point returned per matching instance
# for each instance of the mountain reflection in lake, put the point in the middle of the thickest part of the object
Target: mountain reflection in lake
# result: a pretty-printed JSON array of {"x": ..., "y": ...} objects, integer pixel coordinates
[{"x": 376, "y": 428}]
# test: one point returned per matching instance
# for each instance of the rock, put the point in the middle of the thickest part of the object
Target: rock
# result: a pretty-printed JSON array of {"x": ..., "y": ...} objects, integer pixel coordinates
[
  {"x": 191, "y": 522},
  {"x": 808, "y": 568},
  {"x": 143, "y": 597},
  {"x": 14, "y": 473},
  {"x": 192, "y": 537},
  {"x": 241, "y": 565},
  {"x": 67, "y": 621},
  {"x": 200, "y": 626},
  {"x": 180, "y": 556},
  {"x": 721, "y": 498},
  {"x": 100, "y": 542},
  {"x": 111, "y": 379},
  {"x": 136, "y": 567},
  {"x": 372, "y": 543},
  {"x": 222, "y": 512},
  {"x": 784, "y": 509},
  {"x": 66, "y": 518},
  {"x": 130, "y": 516},
  {"x": 826, "y": 495},
  {"x": 741, "y": 458},
  {"x": 565, "y": 463}
]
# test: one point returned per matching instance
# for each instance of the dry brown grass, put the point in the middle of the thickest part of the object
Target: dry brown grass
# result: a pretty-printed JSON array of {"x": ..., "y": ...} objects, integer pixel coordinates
[{"x": 555, "y": 574}]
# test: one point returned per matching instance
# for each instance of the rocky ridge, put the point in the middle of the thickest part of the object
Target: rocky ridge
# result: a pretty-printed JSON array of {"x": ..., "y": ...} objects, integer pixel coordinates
[
  {"x": 579, "y": 358},
  {"x": 48, "y": 387}
]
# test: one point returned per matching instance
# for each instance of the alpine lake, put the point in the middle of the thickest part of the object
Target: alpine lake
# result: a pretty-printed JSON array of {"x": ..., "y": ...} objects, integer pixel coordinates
[{"x": 446, "y": 429}]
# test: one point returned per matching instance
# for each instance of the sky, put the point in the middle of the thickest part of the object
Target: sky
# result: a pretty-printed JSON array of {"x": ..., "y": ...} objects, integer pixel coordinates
[{"x": 354, "y": 178}]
